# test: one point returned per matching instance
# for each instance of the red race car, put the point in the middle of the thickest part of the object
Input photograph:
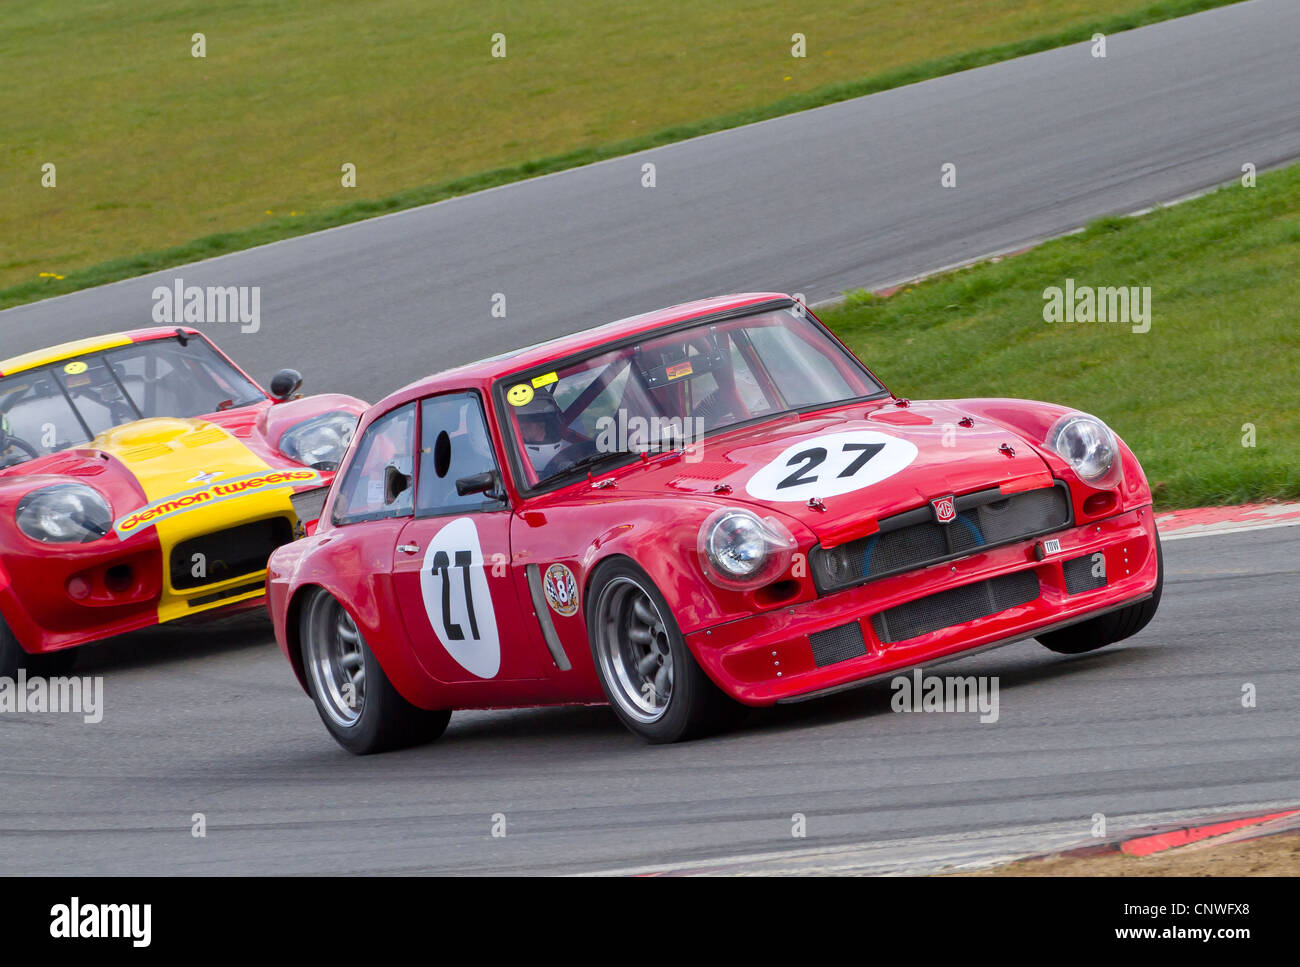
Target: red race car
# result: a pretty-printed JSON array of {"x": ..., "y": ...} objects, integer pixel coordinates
[
  {"x": 680, "y": 513},
  {"x": 144, "y": 477}
]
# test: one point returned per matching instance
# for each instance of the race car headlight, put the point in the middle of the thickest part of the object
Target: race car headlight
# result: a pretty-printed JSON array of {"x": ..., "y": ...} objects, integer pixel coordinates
[
  {"x": 739, "y": 549},
  {"x": 1088, "y": 446},
  {"x": 320, "y": 442},
  {"x": 70, "y": 513}
]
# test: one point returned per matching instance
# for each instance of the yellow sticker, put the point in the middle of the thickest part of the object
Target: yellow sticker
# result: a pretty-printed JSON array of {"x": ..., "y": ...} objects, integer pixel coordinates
[
  {"x": 75, "y": 369},
  {"x": 679, "y": 370},
  {"x": 540, "y": 381},
  {"x": 521, "y": 394}
]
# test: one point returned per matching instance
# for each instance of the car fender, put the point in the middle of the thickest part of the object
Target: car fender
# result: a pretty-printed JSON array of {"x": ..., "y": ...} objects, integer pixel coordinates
[
  {"x": 355, "y": 566},
  {"x": 1032, "y": 419},
  {"x": 276, "y": 420}
]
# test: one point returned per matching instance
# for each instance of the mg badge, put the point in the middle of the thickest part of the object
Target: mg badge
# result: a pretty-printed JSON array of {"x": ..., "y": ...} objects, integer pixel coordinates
[{"x": 945, "y": 512}]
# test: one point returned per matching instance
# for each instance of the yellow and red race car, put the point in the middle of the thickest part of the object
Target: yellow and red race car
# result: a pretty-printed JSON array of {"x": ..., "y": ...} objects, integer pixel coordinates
[{"x": 144, "y": 477}]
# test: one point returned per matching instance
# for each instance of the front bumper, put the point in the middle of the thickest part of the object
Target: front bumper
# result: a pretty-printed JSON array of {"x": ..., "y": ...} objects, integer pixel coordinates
[
  {"x": 769, "y": 657},
  {"x": 77, "y": 594}
]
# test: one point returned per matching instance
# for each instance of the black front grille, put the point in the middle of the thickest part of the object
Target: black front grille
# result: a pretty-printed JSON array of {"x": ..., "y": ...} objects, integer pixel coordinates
[
  {"x": 955, "y": 606},
  {"x": 1084, "y": 574},
  {"x": 227, "y": 554},
  {"x": 837, "y": 644},
  {"x": 915, "y": 539}
]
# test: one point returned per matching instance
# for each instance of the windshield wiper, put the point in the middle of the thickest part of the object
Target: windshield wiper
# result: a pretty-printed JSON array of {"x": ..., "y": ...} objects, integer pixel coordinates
[
  {"x": 654, "y": 448},
  {"x": 591, "y": 459}
]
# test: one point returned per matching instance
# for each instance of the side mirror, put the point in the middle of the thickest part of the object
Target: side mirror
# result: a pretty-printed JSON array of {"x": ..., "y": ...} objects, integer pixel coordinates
[
  {"x": 285, "y": 383},
  {"x": 480, "y": 483},
  {"x": 396, "y": 483}
]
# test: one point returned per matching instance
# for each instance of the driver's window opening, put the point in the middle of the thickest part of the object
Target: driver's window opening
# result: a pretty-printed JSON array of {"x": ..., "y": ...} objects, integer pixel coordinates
[{"x": 458, "y": 467}]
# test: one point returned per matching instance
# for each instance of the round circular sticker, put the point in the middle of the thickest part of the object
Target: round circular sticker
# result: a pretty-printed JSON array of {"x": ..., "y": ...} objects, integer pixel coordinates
[
  {"x": 458, "y": 600},
  {"x": 75, "y": 369},
  {"x": 521, "y": 394},
  {"x": 561, "y": 590},
  {"x": 830, "y": 465}
]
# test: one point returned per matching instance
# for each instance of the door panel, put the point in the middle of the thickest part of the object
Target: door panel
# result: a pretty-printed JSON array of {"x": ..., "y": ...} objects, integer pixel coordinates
[
  {"x": 458, "y": 600},
  {"x": 451, "y": 565}
]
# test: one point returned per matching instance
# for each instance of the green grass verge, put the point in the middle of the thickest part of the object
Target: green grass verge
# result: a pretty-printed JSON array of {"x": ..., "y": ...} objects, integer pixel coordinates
[
  {"x": 154, "y": 148},
  {"x": 1223, "y": 349}
]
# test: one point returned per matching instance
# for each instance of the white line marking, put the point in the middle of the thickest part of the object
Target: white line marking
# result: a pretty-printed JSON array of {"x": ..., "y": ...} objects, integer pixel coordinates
[
  {"x": 1226, "y": 528},
  {"x": 950, "y": 852}
]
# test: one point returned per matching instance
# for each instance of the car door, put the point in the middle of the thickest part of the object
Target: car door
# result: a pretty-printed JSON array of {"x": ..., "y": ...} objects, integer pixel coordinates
[{"x": 451, "y": 565}]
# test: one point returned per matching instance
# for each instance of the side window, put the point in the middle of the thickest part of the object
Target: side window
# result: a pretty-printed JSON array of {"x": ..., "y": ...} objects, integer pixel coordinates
[
  {"x": 455, "y": 445},
  {"x": 371, "y": 490}
]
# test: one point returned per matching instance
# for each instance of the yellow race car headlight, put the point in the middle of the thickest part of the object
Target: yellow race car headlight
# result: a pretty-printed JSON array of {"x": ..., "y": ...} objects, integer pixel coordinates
[{"x": 69, "y": 513}]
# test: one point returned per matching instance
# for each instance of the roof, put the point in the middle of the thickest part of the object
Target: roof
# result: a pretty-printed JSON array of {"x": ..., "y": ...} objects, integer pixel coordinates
[
  {"x": 83, "y": 347},
  {"x": 486, "y": 370}
]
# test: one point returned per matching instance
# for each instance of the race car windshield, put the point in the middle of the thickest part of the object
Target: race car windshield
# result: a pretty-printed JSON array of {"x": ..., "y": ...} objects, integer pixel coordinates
[
  {"x": 673, "y": 389},
  {"x": 68, "y": 403}
]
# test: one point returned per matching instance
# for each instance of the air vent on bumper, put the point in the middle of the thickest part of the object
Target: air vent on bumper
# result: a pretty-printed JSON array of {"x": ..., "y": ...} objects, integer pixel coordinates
[
  {"x": 837, "y": 644},
  {"x": 955, "y": 606},
  {"x": 1084, "y": 574}
]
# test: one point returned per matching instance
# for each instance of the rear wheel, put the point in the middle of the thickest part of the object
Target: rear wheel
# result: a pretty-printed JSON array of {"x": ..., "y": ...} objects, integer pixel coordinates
[
  {"x": 355, "y": 699},
  {"x": 13, "y": 657},
  {"x": 1109, "y": 628},
  {"x": 649, "y": 675}
]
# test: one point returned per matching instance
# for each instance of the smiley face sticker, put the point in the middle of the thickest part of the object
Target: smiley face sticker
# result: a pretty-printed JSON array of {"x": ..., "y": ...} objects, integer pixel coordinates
[
  {"x": 75, "y": 368},
  {"x": 521, "y": 394}
]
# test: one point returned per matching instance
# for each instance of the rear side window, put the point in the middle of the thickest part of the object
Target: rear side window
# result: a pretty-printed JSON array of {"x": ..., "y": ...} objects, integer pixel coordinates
[{"x": 378, "y": 482}]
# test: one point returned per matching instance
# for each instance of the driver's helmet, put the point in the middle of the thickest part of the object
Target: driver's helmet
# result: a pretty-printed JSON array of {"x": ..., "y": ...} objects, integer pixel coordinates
[{"x": 541, "y": 424}]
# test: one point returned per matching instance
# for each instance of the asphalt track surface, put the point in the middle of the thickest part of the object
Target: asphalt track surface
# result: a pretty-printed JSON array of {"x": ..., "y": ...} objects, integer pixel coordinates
[
  {"x": 212, "y": 722},
  {"x": 208, "y": 719}
]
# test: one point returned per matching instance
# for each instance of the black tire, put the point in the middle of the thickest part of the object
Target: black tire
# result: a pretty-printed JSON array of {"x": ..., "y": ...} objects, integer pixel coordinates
[
  {"x": 386, "y": 720},
  {"x": 1109, "y": 628},
  {"x": 693, "y": 705},
  {"x": 13, "y": 657}
]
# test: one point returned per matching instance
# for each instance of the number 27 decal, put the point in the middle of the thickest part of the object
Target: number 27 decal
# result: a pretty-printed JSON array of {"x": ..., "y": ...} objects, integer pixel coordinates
[
  {"x": 458, "y": 601},
  {"x": 833, "y": 464},
  {"x": 816, "y": 456},
  {"x": 463, "y": 561}
]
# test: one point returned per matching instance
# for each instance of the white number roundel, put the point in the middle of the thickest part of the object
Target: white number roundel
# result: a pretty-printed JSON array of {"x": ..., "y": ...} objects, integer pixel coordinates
[
  {"x": 458, "y": 601},
  {"x": 830, "y": 465}
]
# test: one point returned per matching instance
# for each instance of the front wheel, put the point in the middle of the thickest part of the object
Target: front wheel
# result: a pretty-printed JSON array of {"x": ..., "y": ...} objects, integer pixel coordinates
[
  {"x": 647, "y": 672},
  {"x": 355, "y": 699},
  {"x": 1109, "y": 628}
]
